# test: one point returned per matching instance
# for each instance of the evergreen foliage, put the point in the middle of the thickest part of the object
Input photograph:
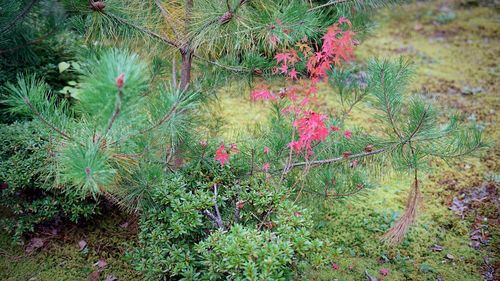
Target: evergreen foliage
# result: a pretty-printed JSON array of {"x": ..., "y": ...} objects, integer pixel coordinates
[
  {"x": 34, "y": 40},
  {"x": 28, "y": 192}
]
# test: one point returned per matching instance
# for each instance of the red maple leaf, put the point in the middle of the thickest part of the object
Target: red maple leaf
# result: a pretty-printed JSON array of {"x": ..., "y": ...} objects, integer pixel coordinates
[{"x": 221, "y": 155}]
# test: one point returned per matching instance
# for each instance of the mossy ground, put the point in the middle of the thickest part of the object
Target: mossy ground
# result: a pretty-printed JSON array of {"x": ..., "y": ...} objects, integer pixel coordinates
[
  {"x": 60, "y": 259},
  {"x": 455, "y": 49}
]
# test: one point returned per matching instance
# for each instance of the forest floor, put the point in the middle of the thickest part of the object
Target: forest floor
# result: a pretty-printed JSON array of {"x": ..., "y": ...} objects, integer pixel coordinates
[{"x": 455, "y": 49}]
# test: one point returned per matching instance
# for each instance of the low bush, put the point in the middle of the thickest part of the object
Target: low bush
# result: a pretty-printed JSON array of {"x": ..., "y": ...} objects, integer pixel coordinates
[
  {"x": 29, "y": 194},
  {"x": 205, "y": 224}
]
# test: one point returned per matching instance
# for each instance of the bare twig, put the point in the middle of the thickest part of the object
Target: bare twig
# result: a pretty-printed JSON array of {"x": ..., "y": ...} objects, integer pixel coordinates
[
  {"x": 336, "y": 159},
  {"x": 216, "y": 218},
  {"x": 174, "y": 73},
  {"x": 327, "y": 4}
]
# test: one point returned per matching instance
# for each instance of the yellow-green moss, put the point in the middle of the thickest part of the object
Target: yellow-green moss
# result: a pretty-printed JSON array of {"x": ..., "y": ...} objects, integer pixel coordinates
[{"x": 447, "y": 57}]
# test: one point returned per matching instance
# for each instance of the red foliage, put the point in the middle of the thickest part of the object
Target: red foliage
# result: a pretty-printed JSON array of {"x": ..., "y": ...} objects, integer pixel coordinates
[
  {"x": 337, "y": 46},
  {"x": 221, "y": 155}
]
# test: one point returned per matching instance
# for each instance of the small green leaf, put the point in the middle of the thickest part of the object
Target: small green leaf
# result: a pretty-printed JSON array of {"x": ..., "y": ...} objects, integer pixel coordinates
[
  {"x": 63, "y": 66},
  {"x": 76, "y": 66},
  {"x": 72, "y": 83}
]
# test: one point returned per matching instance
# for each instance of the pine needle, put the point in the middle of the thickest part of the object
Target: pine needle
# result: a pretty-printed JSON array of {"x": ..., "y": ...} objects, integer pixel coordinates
[{"x": 398, "y": 231}]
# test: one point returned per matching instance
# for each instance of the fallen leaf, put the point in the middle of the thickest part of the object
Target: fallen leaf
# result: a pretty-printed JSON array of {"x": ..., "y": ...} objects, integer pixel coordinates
[
  {"x": 82, "y": 244},
  {"x": 111, "y": 278},
  {"x": 34, "y": 244},
  {"x": 437, "y": 248},
  {"x": 94, "y": 276},
  {"x": 384, "y": 271},
  {"x": 101, "y": 263}
]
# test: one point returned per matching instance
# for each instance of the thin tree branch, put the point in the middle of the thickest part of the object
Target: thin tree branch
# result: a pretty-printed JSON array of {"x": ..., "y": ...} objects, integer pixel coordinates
[
  {"x": 20, "y": 16},
  {"x": 35, "y": 41},
  {"x": 216, "y": 206},
  {"x": 143, "y": 30},
  {"x": 387, "y": 107},
  {"x": 47, "y": 123},
  {"x": 116, "y": 112},
  {"x": 334, "y": 160},
  {"x": 174, "y": 73},
  {"x": 327, "y": 4},
  {"x": 215, "y": 218}
]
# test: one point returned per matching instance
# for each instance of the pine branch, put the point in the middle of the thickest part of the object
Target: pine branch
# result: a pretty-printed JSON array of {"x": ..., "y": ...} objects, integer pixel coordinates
[
  {"x": 390, "y": 114},
  {"x": 142, "y": 29},
  {"x": 20, "y": 16},
  {"x": 116, "y": 112},
  {"x": 334, "y": 160},
  {"x": 35, "y": 41},
  {"x": 47, "y": 123},
  {"x": 421, "y": 121},
  {"x": 327, "y": 4},
  {"x": 165, "y": 118}
]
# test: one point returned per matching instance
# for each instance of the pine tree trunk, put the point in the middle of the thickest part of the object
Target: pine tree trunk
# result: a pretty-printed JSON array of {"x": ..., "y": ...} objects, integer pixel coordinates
[{"x": 187, "y": 59}]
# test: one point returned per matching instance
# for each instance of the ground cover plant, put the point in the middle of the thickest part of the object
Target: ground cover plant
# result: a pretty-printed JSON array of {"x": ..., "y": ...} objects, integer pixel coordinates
[{"x": 207, "y": 205}]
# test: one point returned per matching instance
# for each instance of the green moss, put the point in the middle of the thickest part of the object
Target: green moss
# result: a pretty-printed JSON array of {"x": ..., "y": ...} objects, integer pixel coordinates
[
  {"x": 448, "y": 55},
  {"x": 61, "y": 258}
]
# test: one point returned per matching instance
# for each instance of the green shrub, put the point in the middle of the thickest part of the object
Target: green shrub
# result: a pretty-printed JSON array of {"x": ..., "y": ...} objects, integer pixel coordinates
[
  {"x": 178, "y": 238},
  {"x": 28, "y": 192}
]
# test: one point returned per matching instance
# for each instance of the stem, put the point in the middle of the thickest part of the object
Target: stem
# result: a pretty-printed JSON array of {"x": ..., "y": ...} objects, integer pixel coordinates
[
  {"x": 215, "y": 218},
  {"x": 336, "y": 159},
  {"x": 116, "y": 112},
  {"x": 327, "y": 4},
  {"x": 387, "y": 107},
  {"x": 186, "y": 64},
  {"x": 142, "y": 29},
  {"x": 40, "y": 116}
]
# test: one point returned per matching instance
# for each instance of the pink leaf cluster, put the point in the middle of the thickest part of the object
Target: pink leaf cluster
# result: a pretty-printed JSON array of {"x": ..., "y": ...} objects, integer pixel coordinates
[
  {"x": 311, "y": 128},
  {"x": 262, "y": 93},
  {"x": 337, "y": 46},
  {"x": 222, "y": 155}
]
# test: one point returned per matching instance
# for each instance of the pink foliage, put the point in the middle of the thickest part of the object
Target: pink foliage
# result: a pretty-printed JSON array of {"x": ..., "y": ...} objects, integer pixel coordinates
[
  {"x": 221, "y": 155},
  {"x": 263, "y": 93},
  {"x": 265, "y": 167},
  {"x": 337, "y": 46},
  {"x": 311, "y": 128},
  {"x": 348, "y": 134}
]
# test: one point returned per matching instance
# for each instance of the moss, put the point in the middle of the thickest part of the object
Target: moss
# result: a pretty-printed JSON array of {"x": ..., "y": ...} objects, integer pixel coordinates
[
  {"x": 61, "y": 258},
  {"x": 448, "y": 56}
]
